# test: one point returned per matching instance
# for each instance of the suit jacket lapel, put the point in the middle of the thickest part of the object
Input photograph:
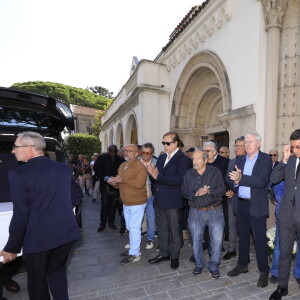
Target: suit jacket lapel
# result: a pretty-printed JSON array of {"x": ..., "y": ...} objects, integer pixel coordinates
[{"x": 172, "y": 160}]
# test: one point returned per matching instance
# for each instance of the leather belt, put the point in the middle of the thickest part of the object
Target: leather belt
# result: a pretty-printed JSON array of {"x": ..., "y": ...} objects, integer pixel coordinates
[
  {"x": 214, "y": 206},
  {"x": 244, "y": 199}
]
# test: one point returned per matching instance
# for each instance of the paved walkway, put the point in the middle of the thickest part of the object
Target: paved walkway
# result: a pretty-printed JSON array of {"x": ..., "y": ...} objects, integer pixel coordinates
[{"x": 94, "y": 272}]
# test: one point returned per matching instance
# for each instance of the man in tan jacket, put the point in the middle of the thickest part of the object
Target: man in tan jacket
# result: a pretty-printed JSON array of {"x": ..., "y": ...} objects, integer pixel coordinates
[{"x": 131, "y": 181}]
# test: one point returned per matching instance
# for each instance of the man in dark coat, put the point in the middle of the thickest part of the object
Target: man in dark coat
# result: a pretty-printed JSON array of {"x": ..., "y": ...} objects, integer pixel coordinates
[{"x": 43, "y": 224}]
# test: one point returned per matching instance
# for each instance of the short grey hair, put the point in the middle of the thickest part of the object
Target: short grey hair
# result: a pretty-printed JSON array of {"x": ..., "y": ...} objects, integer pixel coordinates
[
  {"x": 255, "y": 134},
  {"x": 34, "y": 139},
  {"x": 275, "y": 150},
  {"x": 204, "y": 153},
  {"x": 210, "y": 143},
  {"x": 239, "y": 139}
]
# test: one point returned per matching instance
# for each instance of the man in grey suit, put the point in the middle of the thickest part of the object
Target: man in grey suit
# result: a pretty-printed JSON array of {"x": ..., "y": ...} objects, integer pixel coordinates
[{"x": 288, "y": 216}]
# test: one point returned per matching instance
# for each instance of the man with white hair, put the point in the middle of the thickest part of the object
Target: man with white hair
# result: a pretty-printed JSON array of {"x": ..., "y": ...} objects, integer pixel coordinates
[
  {"x": 250, "y": 181},
  {"x": 43, "y": 224}
]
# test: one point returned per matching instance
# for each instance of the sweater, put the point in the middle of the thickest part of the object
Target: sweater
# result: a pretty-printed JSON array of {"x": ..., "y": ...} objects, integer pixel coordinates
[{"x": 133, "y": 186}]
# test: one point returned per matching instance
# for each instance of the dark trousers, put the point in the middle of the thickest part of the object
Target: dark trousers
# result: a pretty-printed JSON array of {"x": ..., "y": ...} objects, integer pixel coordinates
[
  {"x": 108, "y": 208},
  {"x": 287, "y": 231},
  {"x": 258, "y": 226},
  {"x": 8, "y": 270},
  {"x": 167, "y": 227},
  {"x": 121, "y": 213},
  {"x": 47, "y": 270},
  {"x": 226, "y": 218}
]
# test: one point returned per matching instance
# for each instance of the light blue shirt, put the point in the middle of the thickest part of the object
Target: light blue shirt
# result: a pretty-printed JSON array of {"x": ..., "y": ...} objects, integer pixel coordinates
[{"x": 245, "y": 191}]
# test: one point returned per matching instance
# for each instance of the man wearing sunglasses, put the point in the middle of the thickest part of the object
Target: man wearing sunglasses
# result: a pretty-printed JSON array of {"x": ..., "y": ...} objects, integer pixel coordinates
[
  {"x": 274, "y": 156},
  {"x": 168, "y": 175},
  {"x": 288, "y": 215}
]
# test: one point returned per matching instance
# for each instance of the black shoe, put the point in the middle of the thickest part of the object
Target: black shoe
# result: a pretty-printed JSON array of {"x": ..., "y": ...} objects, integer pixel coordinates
[
  {"x": 158, "y": 259},
  {"x": 279, "y": 292},
  {"x": 143, "y": 233},
  {"x": 229, "y": 255},
  {"x": 174, "y": 263},
  {"x": 101, "y": 228},
  {"x": 122, "y": 231},
  {"x": 237, "y": 271},
  {"x": 112, "y": 226},
  {"x": 273, "y": 279},
  {"x": 94, "y": 200},
  {"x": 192, "y": 259},
  {"x": 298, "y": 281},
  {"x": 263, "y": 280},
  {"x": 11, "y": 286}
]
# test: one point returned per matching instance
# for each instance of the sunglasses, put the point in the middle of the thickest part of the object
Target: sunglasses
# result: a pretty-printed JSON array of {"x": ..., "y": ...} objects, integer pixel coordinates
[
  {"x": 295, "y": 147},
  {"x": 167, "y": 143},
  {"x": 15, "y": 147},
  {"x": 222, "y": 152},
  {"x": 273, "y": 154},
  {"x": 146, "y": 153}
]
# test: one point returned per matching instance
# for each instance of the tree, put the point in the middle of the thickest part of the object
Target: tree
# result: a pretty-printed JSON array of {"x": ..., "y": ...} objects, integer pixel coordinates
[
  {"x": 96, "y": 127},
  {"x": 67, "y": 94},
  {"x": 101, "y": 91}
]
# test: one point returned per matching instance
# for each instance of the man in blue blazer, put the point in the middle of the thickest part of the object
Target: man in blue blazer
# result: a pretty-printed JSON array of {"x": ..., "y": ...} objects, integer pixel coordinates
[
  {"x": 168, "y": 174},
  {"x": 43, "y": 224},
  {"x": 250, "y": 181}
]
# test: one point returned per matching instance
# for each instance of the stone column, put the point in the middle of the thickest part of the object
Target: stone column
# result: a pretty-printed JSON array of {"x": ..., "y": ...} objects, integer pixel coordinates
[{"x": 274, "y": 12}]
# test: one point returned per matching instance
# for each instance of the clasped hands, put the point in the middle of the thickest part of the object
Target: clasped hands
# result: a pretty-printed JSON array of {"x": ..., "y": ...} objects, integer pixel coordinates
[
  {"x": 236, "y": 175},
  {"x": 114, "y": 181},
  {"x": 203, "y": 191},
  {"x": 7, "y": 256},
  {"x": 152, "y": 170}
]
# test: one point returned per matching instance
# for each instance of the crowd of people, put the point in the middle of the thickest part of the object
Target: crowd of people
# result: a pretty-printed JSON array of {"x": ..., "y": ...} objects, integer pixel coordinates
[{"x": 198, "y": 195}]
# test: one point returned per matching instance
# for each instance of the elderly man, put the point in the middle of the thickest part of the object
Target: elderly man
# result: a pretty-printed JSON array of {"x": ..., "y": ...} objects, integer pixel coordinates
[
  {"x": 204, "y": 187},
  {"x": 224, "y": 151},
  {"x": 43, "y": 224},
  {"x": 131, "y": 181},
  {"x": 288, "y": 215},
  {"x": 250, "y": 181},
  {"x": 147, "y": 159},
  {"x": 168, "y": 175},
  {"x": 274, "y": 156},
  {"x": 239, "y": 150}
]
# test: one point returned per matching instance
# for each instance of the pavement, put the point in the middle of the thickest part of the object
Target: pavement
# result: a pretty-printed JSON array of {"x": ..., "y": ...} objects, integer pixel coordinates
[{"x": 94, "y": 272}]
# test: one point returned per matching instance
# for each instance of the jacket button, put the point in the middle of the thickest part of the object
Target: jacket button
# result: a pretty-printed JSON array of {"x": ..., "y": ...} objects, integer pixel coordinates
[{"x": 295, "y": 187}]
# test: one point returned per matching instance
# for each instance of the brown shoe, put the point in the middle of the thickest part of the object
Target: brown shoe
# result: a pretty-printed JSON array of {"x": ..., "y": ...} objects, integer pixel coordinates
[
  {"x": 112, "y": 226},
  {"x": 11, "y": 286}
]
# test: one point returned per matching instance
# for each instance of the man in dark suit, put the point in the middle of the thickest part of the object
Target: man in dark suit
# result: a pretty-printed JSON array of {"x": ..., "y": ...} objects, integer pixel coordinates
[
  {"x": 8, "y": 163},
  {"x": 168, "y": 174},
  {"x": 288, "y": 215},
  {"x": 107, "y": 165},
  {"x": 250, "y": 181},
  {"x": 43, "y": 224}
]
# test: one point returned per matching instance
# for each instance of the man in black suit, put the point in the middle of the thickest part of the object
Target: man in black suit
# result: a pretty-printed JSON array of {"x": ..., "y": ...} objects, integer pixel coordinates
[
  {"x": 250, "y": 182},
  {"x": 107, "y": 165},
  {"x": 43, "y": 223},
  {"x": 274, "y": 156},
  {"x": 168, "y": 174},
  {"x": 288, "y": 216},
  {"x": 8, "y": 163}
]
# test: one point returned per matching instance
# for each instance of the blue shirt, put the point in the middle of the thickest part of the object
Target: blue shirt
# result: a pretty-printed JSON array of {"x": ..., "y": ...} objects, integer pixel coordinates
[{"x": 245, "y": 191}]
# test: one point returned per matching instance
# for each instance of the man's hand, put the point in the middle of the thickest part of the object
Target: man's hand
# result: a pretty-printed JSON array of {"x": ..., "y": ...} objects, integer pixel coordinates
[
  {"x": 229, "y": 194},
  {"x": 286, "y": 153},
  {"x": 152, "y": 170},
  {"x": 114, "y": 181},
  {"x": 7, "y": 257},
  {"x": 203, "y": 191},
  {"x": 236, "y": 175}
]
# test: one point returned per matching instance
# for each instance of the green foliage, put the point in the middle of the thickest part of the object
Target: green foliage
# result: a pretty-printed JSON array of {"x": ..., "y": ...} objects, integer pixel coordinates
[
  {"x": 99, "y": 90},
  {"x": 66, "y": 93},
  {"x": 96, "y": 127},
  {"x": 85, "y": 144}
]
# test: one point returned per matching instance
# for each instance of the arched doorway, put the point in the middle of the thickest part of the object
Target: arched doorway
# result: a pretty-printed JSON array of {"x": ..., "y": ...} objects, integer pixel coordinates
[
  {"x": 119, "y": 137},
  {"x": 202, "y": 94},
  {"x": 131, "y": 134}
]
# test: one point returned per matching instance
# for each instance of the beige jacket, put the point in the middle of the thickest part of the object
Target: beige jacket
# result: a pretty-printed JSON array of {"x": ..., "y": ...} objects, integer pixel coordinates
[{"x": 133, "y": 187}]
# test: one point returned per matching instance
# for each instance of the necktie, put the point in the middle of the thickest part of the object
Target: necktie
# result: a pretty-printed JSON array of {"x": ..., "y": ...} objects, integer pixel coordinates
[{"x": 298, "y": 169}]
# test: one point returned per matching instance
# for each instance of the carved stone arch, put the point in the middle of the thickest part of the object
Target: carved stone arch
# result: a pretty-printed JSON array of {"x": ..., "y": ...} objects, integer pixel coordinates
[
  {"x": 202, "y": 92},
  {"x": 111, "y": 137},
  {"x": 131, "y": 129},
  {"x": 119, "y": 141}
]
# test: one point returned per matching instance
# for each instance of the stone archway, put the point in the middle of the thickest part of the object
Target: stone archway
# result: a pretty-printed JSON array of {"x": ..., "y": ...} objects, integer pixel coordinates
[
  {"x": 202, "y": 94},
  {"x": 111, "y": 137},
  {"x": 119, "y": 136},
  {"x": 131, "y": 133}
]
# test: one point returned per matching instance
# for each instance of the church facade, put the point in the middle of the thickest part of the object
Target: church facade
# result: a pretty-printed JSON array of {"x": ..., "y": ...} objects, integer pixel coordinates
[{"x": 229, "y": 67}]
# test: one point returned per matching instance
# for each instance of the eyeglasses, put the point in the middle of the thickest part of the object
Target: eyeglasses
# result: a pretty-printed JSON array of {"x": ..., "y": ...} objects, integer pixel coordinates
[
  {"x": 239, "y": 146},
  {"x": 295, "y": 147},
  {"x": 273, "y": 154},
  {"x": 15, "y": 146},
  {"x": 129, "y": 151},
  {"x": 146, "y": 153},
  {"x": 167, "y": 143}
]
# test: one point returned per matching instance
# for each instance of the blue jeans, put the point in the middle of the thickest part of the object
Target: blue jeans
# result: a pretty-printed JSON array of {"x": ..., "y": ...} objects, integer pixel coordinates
[
  {"x": 214, "y": 220},
  {"x": 276, "y": 253},
  {"x": 150, "y": 219},
  {"x": 133, "y": 218}
]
